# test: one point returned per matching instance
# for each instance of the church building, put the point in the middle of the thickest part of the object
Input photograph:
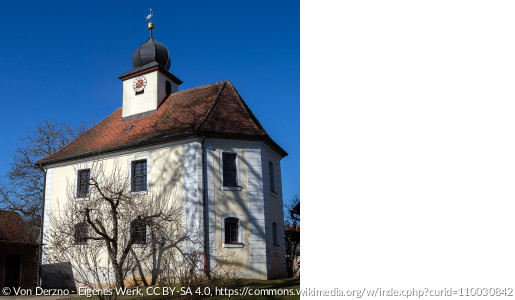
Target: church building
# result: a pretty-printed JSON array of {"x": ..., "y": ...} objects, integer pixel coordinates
[{"x": 204, "y": 141}]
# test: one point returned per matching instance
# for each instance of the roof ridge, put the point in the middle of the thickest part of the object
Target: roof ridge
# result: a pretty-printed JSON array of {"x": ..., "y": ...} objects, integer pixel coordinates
[
  {"x": 249, "y": 111},
  {"x": 212, "y": 106},
  {"x": 197, "y": 88},
  {"x": 189, "y": 90}
]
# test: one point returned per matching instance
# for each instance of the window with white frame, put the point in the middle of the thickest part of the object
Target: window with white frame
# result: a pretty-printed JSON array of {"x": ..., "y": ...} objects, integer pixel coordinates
[
  {"x": 232, "y": 231},
  {"x": 83, "y": 177},
  {"x": 138, "y": 231},
  {"x": 139, "y": 175},
  {"x": 80, "y": 233},
  {"x": 230, "y": 170}
]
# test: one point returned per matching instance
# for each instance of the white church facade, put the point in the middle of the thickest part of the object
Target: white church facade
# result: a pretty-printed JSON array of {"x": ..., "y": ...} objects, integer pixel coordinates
[{"x": 204, "y": 144}]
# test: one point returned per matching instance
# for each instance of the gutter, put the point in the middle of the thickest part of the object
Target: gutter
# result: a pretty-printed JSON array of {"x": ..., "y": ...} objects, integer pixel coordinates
[
  {"x": 207, "y": 271},
  {"x": 40, "y": 262}
]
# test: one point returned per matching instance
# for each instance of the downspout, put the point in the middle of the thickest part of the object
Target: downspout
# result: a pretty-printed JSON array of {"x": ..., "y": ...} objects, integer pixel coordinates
[
  {"x": 39, "y": 167},
  {"x": 207, "y": 272}
]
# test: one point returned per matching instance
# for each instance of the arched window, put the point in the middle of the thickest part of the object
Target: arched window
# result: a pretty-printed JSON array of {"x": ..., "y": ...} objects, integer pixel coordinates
[
  {"x": 231, "y": 230},
  {"x": 139, "y": 231},
  {"x": 80, "y": 233},
  {"x": 274, "y": 233}
]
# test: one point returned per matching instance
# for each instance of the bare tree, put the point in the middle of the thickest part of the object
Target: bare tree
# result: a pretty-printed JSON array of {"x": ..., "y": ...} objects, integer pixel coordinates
[
  {"x": 115, "y": 232},
  {"x": 22, "y": 189},
  {"x": 292, "y": 234}
]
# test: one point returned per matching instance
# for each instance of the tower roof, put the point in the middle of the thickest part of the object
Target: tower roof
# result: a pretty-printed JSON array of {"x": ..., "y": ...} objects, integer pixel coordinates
[{"x": 151, "y": 51}]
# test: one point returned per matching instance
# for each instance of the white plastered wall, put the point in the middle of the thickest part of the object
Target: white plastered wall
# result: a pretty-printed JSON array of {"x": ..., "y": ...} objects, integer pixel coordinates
[
  {"x": 254, "y": 259},
  {"x": 152, "y": 96},
  {"x": 276, "y": 263},
  {"x": 180, "y": 164},
  {"x": 165, "y": 175}
]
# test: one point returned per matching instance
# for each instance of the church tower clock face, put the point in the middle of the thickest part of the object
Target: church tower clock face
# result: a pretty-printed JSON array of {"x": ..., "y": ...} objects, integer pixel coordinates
[{"x": 139, "y": 83}]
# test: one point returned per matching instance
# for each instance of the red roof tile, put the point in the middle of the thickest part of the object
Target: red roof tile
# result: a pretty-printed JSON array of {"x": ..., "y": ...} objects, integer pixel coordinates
[
  {"x": 211, "y": 109},
  {"x": 13, "y": 229}
]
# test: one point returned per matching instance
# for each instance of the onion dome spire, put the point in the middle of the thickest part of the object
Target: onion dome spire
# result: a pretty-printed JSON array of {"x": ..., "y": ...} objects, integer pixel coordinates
[{"x": 151, "y": 51}]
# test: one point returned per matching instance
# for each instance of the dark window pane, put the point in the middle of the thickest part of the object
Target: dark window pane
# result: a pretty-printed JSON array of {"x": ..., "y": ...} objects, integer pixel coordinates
[
  {"x": 80, "y": 233},
  {"x": 229, "y": 169},
  {"x": 272, "y": 177},
  {"x": 231, "y": 230},
  {"x": 274, "y": 232},
  {"x": 168, "y": 88},
  {"x": 139, "y": 231},
  {"x": 139, "y": 175},
  {"x": 83, "y": 183},
  {"x": 227, "y": 232}
]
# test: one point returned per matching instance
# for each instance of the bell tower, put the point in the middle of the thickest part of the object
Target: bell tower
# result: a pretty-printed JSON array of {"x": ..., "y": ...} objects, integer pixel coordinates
[{"x": 149, "y": 82}]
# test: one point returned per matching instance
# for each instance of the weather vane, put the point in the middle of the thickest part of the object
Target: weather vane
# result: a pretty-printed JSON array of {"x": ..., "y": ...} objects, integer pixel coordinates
[{"x": 150, "y": 15}]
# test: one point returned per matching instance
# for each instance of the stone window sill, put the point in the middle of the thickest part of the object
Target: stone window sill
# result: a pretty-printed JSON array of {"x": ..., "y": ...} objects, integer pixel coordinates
[
  {"x": 139, "y": 193},
  {"x": 231, "y": 188},
  {"x": 237, "y": 245}
]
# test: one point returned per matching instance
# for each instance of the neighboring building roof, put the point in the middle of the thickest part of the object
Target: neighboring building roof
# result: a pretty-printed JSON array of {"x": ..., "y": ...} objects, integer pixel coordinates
[
  {"x": 14, "y": 229},
  {"x": 292, "y": 227},
  {"x": 214, "y": 110}
]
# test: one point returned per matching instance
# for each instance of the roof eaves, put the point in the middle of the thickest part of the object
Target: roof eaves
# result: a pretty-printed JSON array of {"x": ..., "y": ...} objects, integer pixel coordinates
[
  {"x": 274, "y": 146},
  {"x": 158, "y": 140},
  {"x": 118, "y": 148},
  {"x": 147, "y": 68}
]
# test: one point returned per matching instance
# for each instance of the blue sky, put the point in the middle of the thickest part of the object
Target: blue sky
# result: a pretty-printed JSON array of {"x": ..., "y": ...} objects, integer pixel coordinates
[{"x": 61, "y": 61}]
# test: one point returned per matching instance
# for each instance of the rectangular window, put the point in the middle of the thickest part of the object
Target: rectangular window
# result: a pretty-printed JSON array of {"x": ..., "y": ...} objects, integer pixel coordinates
[
  {"x": 229, "y": 169},
  {"x": 139, "y": 175},
  {"x": 139, "y": 232},
  {"x": 83, "y": 183},
  {"x": 272, "y": 176},
  {"x": 231, "y": 230},
  {"x": 80, "y": 234}
]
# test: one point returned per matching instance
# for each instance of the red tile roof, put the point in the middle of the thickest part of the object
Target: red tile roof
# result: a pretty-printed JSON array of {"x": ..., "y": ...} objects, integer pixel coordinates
[
  {"x": 212, "y": 110},
  {"x": 13, "y": 229}
]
